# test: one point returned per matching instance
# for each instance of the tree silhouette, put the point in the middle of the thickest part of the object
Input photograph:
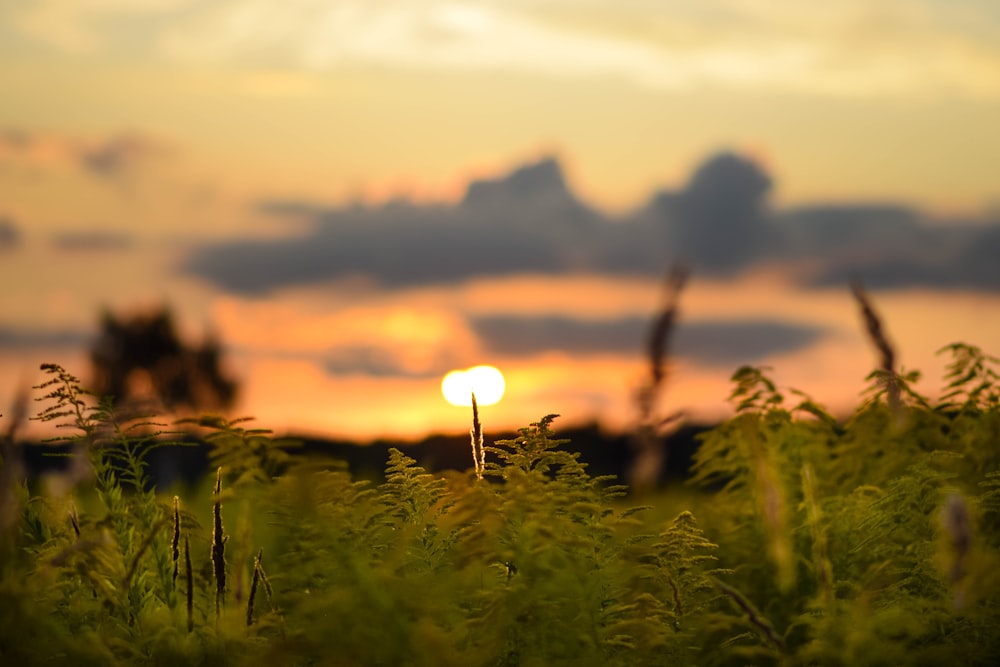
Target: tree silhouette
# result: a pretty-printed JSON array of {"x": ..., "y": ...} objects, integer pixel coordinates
[{"x": 141, "y": 359}]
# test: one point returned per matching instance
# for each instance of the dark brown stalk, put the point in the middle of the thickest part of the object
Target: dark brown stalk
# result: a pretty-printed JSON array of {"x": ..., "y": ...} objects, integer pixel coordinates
[
  {"x": 74, "y": 520},
  {"x": 264, "y": 580},
  {"x": 678, "y": 608},
  {"x": 651, "y": 454},
  {"x": 659, "y": 334},
  {"x": 219, "y": 540},
  {"x": 958, "y": 527},
  {"x": 189, "y": 575},
  {"x": 253, "y": 585},
  {"x": 175, "y": 540},
  {"x": 876, "y": 333},
  {"x": 753, "y": 615}
]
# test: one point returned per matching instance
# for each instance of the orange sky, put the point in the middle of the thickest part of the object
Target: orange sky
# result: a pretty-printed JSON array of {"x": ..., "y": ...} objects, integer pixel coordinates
[{"x": 134, "y": 133}]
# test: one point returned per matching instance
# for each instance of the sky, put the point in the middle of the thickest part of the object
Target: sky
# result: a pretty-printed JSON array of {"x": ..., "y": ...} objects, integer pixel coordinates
[{"x": 356, "y": 197}]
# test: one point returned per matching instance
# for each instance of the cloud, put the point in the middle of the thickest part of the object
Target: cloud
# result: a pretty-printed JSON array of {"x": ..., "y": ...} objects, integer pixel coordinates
[
  {"x": 118, "y": 155},
  {"x": 29, "y": 339},
  {"x": 716, "y": 343},
  {"x": 109, "y": 157},
  {"x": 82, "y": 26},
  {"x": 526, "y": 222},
  {"x": 852, "y": 48},
  {"x": 10, "y": 236},
  {"x": 963, "y": 258},
  {"x": 529, "y": 222},
  {"x": 890, "y": 246},
  {"x": 720, "y": 215},
  {"x": 92, "y": 241},
  {"x": 376, "y": 361}
]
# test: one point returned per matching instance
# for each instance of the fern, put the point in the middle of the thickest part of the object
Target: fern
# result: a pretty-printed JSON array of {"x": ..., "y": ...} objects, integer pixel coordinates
[
  {"x": 871, "y": 541},
  {"x": 971, "y": 376}
]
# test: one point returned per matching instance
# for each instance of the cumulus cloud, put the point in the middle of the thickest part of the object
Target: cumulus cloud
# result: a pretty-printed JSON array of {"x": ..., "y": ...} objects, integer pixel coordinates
[
  {"x": 722, "y": 343},
  {"x": 526, "y": 222},
  {"x": 720, "y": 215},
  {"x": 529, "y": 222}
]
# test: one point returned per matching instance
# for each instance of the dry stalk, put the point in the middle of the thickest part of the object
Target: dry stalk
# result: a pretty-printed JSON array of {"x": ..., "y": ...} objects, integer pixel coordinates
[
  {"x": 175, "y": 540},
  {"x": 651, "y": 453},
  {"x": 189, "y": 576},
  {"x": 876, "y": 333},
  {"x": 752, "y": 615},
  {"x": 74, "y": 520},
  {"x": 219, "y": 540},
  {"x": 958, "y": 527},
  {"x": 253, "y": 585},
  {"x": 478, "y": 453}
]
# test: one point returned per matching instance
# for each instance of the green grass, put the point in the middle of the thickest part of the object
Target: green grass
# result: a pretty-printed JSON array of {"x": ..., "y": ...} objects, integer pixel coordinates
[{"x": 798, "y": 540}]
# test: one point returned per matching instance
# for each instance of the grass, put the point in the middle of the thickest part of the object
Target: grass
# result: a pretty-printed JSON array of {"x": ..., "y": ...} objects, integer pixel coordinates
[{"x": 798, "y": 540}]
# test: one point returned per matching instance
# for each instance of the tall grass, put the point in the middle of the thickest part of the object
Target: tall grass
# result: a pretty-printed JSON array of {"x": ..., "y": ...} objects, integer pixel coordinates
[{"x": 801, "y": 540}]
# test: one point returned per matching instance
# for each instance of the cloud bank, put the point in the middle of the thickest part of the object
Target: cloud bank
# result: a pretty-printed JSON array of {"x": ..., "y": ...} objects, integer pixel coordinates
[
  {"x": 709, "y": 343},
  {"x": 530, "y": 222}
]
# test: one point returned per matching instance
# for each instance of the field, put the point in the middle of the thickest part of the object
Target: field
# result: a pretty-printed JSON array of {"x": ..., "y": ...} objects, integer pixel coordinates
[{"x": 798, "y": 539}]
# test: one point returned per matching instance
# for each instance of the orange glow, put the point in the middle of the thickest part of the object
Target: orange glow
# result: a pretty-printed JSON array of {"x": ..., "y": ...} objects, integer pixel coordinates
[{"x": 182, "y": 141}]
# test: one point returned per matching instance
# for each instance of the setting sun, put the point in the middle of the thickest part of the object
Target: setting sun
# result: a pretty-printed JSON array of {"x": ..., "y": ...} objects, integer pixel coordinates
[{"x": 486, "y": 381}]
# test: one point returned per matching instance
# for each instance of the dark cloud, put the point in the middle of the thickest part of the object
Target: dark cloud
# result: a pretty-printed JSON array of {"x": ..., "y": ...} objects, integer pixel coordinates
[
  {"x": 530, "y": 222},
  {"x": 742, "y": 342},
  {"x": 719, "y": 218},
  {"x": 823, "y": 229},
  {"x": 92, "y": 241},
  {"x": 376, "y": 362},
  {"x": 10, "y": 236},
  {"x": 891, "y": 247},
  {"x": 514, "y": 335},
  {"x": 720, "y": 343},
  {"x": 21, "y": 339},
  {"x": 980, "y": 259}
]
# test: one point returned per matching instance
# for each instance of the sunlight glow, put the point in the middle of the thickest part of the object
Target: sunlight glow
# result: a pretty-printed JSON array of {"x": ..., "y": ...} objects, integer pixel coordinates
[{"x": 486, "y": 381}]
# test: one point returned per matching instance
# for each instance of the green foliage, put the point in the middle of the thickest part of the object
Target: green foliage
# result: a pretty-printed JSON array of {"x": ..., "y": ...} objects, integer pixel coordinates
[{"x": 868, "y": 541}]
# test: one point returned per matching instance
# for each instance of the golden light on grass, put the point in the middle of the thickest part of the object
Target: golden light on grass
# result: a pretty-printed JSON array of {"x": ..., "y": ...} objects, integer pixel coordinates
[{"x": 487, "y": 381}]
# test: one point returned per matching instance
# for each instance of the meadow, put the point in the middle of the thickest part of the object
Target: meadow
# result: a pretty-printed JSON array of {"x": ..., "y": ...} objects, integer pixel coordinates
[{"x": 797, "y": 539}]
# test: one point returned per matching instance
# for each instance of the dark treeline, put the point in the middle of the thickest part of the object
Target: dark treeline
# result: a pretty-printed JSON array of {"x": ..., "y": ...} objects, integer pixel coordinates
[{"x": 187, "y": 463}]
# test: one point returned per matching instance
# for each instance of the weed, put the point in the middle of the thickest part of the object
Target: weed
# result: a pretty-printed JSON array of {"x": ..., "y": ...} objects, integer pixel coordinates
[{"x": 817, "y": 541}]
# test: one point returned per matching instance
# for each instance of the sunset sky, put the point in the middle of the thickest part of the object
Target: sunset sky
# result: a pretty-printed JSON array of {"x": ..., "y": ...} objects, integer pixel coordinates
[{"x": 358, "y": 196}]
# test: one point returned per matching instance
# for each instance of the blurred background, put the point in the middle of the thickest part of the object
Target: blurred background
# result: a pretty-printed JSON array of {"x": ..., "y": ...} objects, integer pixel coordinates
[{"x": 310, "y": 211}]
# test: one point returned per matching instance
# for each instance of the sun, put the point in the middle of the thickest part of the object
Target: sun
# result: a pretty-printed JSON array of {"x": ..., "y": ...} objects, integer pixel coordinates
[{"x": 486, "y": 381}]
